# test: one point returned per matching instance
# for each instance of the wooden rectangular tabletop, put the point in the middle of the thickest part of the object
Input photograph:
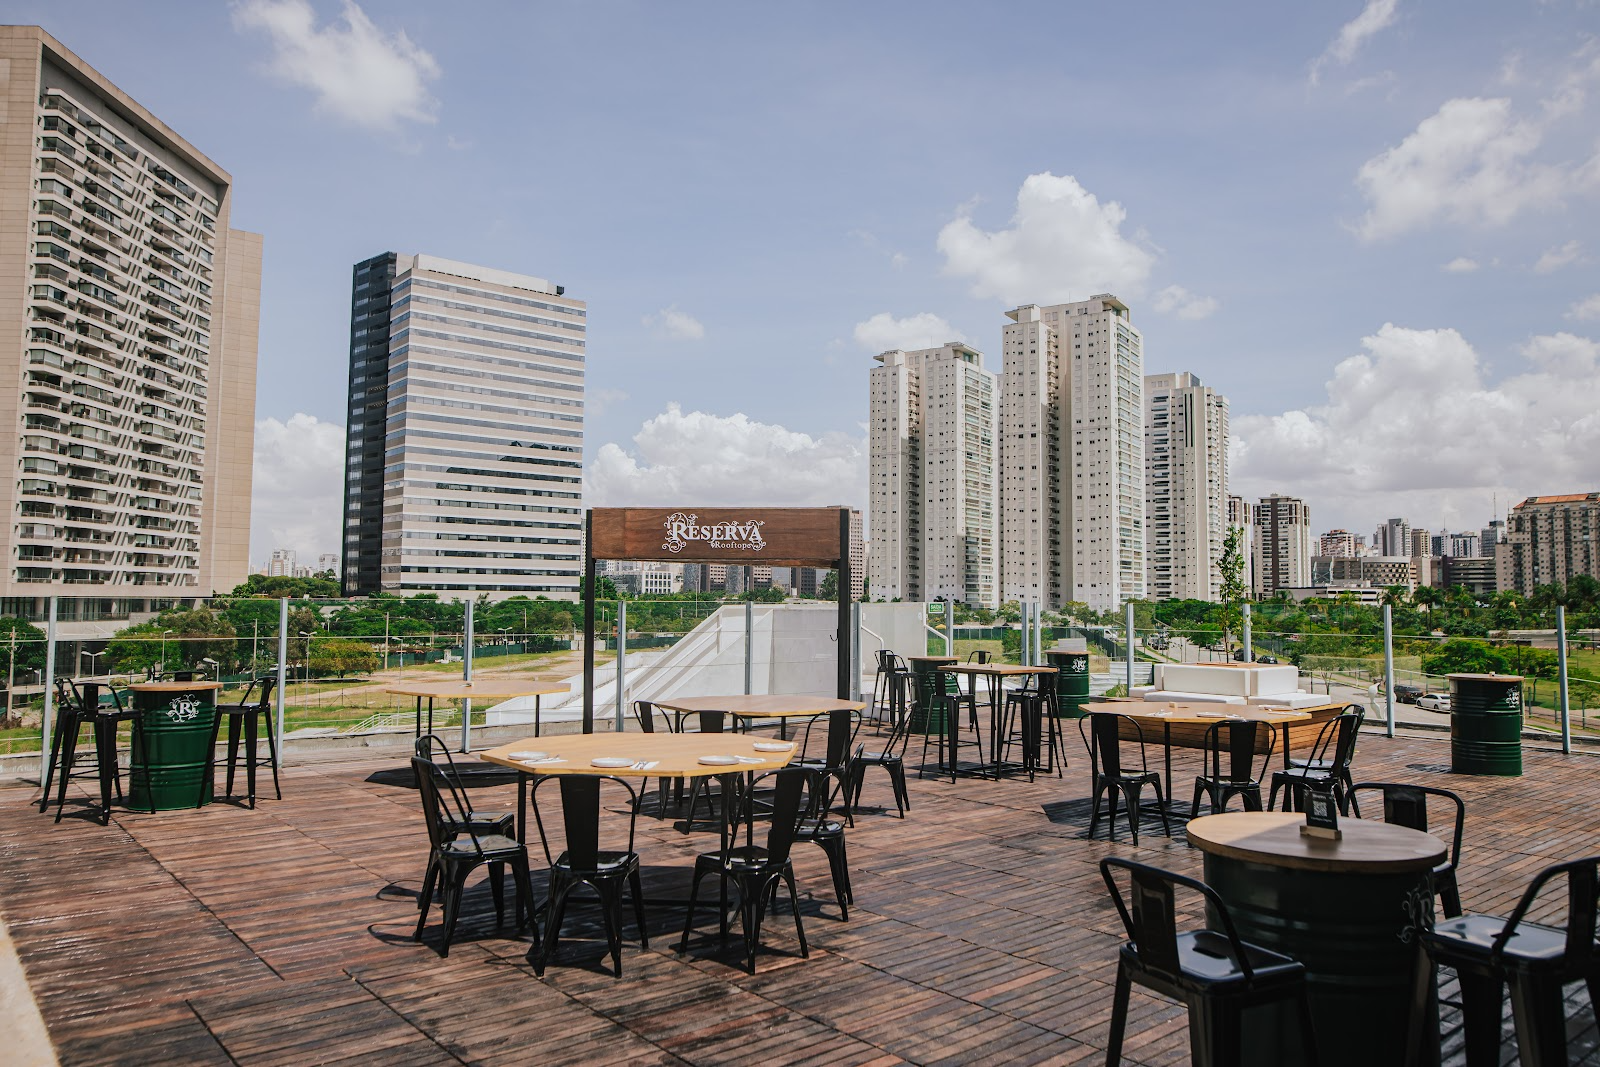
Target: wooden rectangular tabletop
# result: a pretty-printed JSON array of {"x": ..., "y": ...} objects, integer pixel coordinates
[
  {"x": 670, "y": 755},
  {"x": 1179, "y": 712},
  {"x": 996, "y": 670}
]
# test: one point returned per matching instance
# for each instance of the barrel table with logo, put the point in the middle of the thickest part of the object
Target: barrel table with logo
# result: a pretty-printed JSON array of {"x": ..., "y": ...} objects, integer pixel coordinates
[
  {"x": 926, "y": 680},
  {"x": 1072, "y": 681},
  {"x": 171, "y": 763},
  {"x": 1486, "y": 724}
]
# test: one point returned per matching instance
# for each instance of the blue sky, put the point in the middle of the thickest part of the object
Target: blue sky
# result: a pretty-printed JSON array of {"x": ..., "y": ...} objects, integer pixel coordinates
[{"x": 1393, "y": 198}]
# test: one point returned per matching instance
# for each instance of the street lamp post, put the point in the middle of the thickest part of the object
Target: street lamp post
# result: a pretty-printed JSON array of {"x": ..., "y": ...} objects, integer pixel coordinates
[
  {"x": 92, "y": 657},
  {"x": 504, "y": 631},
  {"x": 386, "y": 640}
]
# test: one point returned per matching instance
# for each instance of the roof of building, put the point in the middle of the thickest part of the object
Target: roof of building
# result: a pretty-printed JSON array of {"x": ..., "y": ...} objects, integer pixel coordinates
[{"x": 1565, "y": 498}]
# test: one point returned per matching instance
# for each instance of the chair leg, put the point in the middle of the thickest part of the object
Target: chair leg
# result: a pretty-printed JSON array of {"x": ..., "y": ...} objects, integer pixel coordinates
[
  {"x": 455, "y": 887},
  {"x": 250, "y": 760},
  {"x": 1194, "y": 808},
  {"x": 1272, "y": 797},
  {"x": 1541, "y": 1020},
  {"x": 1450, "y": 899},
  {"x": 272, "y": 750},
  {"x": 794, "y": 903},
  {"x": 1251, "y": 795},
  {"x": 1094, "y": 806},
  {"x": 610, "y": 892},
  {"x": 557, "y": 910},
  {"x": 833, "y": 848},
  {"x": 69, "y": 756},
  {"x": 1161, "y": 805},
  {"x": 636, "y": 888},
  {"x": 1119, "y": 1017},
  {"x": 688, "y": 922},
  {"x": 425, "y": 898},
  {"x": 523, "y": 885},
  {"x": 897, "y": 778},
  {"x": 50, "y": 767},
  {"x": 1214, "y": 1033},
  {"x": 751, "y": 909},
  {"x": 497, "y": 887},
  {"x": 1480, "y": 1017},
  {"x": 1130, "y": 794},
  {"x": 233, "y": 750}
]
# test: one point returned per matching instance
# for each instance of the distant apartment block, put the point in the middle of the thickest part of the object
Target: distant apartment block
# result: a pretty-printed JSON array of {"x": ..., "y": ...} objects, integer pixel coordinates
[
  {"x": 1393, "y": 538},
  {"x": 1282, "y": 544},
  {"x": 282, "y": 563},
  {"x": 1378, "y": 572},
  {"x": 1072, "y": 497},
  {"x": 1490, "y": 536},
  {"x": 464, "y": 448},
  {"x": 1239, "y": 518},
  {"x": 1476, "y": 573},
  {"x": 1549, "y": 539},
  {"x": 1460, "y": 545},
  {"x": 932, "y": 473},
  {"x": 1340, "y": 543},
  {"x": 130, "y": 321},
  {"x": 326, "y": 562},
  {"x": 1422, "y": 543},
  {"x": 1185, "y": 486}
]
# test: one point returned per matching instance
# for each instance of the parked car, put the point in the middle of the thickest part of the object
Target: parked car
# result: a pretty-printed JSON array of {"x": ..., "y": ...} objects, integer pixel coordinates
[
  {"x": 1434, "y": 702},
  {"x": 1261, "y": 657},
  {"x": 1408, "y": 694}
]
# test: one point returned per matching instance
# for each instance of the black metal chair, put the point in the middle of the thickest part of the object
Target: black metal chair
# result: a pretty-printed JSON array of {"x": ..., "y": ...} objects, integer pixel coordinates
[
  {"x": 1407, "y": 805},
  {"x": 969, "y": 697},
  {"x": 454, "y": 855},
  {"x": 890, "y": 686},
  {"x": 1241, "y": 741},
  {"x": 1535, "y": 960},
  {"x": 1102, "y": 736},
  {"x": 709, "y": 722},
  {"x": 584, "y": 862},
  {"x": 1327, "y": 768},
  {"x": 494, "y": 823},
  {"x": 756, "y": 871},
  {"x": 248, "y": 717},
  {"x": 644, "y": 713},
  {"x": 842, "y": 725},
  {"x": 941, "y": 720},
  {"x": 891, "y": 757},
  {"x": 75, "y": 709},
  {"x": 1214, "y": 974},
  {"x": 819, "y": 828}
]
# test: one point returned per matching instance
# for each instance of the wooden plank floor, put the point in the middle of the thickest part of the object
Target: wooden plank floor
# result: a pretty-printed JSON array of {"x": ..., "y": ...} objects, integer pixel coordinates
[{"x": 982, "y": 932}]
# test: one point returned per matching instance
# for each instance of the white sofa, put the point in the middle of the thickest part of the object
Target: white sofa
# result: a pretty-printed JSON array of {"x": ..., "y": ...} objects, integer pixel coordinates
[{"x": 1272, "y": 685}]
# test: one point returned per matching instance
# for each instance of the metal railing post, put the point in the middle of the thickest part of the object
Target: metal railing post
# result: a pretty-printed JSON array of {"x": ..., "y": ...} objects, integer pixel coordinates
[
  {"x": 855, "y": 650},
  {"x": 1388, "y": 668},
  {"x": 1024, "y": 647},
  {"x": 749, "y": 645},
  {"x": 466, "y": 676},
  {"x": 1561, "y": 674},
  {"x": 283, "y": 669},
  {"x": 1129, "y": 626},
  {"x": 1249, "y": 648},
  {"x": 622, "y": 656},
  {"x": 48, "y": 720}
]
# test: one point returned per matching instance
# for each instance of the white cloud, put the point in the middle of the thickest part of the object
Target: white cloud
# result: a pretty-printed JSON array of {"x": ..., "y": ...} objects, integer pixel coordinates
[
  {"x": 1377, "y": 16},
  {"x": 898, "y": 260},
  {"x": 711, "y": 460},
  {"x": 674, "y": 325},
  {"x": 1176, "y": 300},
  {"x": 297, "y": 486},
  {"x": 883, "y": 331},
  {"x": 1585, "y": 309},
  {"x": 1063, "y": 244},
  {"x": 359, "y": 73},
  {"x": 1560, "y": 256},
  {"x": 1411, "y": 427},
  {"x": 1460, "y": 265}
]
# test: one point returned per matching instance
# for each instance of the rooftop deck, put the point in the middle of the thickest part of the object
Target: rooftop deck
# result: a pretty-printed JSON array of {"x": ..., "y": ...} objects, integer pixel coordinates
[{"x": 982, "y": 931}]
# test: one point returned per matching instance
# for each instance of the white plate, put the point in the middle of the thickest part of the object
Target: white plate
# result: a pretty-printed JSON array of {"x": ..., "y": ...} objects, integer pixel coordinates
[
  {"x": 527, "y": 755},
  {"x": 773, "y": 746},
  {"x": 720, "y": 761},
  {"x": 612, "y": 762}
]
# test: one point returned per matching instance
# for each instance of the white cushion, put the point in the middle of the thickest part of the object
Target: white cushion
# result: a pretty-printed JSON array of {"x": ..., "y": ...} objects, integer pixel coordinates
[
  {"x": 1201, "y": 678},
  {"x": 1173, "y": 695},
  {"x": 1294, "y": 700},
  {"x": 1284, "y": 678},
  {"x": 1139, "y": 691}
]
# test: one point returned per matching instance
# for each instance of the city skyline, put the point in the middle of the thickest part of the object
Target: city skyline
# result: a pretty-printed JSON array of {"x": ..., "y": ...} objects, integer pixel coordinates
[{"x": 1245, "y": 199}]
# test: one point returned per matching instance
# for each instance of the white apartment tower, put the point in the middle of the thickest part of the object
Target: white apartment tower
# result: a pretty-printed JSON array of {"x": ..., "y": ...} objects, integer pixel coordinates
[
  {"x": 1185, "y": 486},
  {"x": 129, "y": 311},
  {"x": 1072, "y": 499},
  {"x": 934, "y": 509},
  {"x": 464, "y": 446},
  {"x": 1283, "y": 545},
  {"x": 1239, "y": 518}
]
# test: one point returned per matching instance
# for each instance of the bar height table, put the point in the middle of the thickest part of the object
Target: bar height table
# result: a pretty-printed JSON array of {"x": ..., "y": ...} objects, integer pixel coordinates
[{"x": 484, "y": 688}]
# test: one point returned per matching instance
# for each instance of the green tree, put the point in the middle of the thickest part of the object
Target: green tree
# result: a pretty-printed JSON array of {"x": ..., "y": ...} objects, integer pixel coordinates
[
  {"x": 1230, "y": 569},
  {"x": 30, "y": 644},
  {"x": 341, "y": 656},
  {"x": 1463, "y": 656},
  {"x": 829, "y": 589}
]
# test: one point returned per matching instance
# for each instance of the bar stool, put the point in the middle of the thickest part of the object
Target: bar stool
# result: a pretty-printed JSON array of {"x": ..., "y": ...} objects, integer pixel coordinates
[
  {"x": 248, "y": 716},
  {"x": 74, "y": 709},
  {"x": 944, "y": 695}
]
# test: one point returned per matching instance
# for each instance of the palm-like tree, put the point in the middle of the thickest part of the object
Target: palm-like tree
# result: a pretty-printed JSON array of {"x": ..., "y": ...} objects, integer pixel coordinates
[{"x": 1427, "y": 597}]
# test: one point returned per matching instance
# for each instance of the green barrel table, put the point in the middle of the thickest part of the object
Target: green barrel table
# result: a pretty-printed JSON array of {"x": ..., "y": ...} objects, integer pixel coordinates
[
  {"x": 924, "y": 678},
  {"x": 172, "y": 767},
  {"x": 1352, "y": 911},
  {"x": 1072, "y": 682},
  {"x": 1486, "y": 724}
]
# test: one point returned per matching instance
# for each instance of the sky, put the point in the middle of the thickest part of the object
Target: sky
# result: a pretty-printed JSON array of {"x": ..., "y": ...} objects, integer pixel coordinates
[{"x": 1371, "y": 224}]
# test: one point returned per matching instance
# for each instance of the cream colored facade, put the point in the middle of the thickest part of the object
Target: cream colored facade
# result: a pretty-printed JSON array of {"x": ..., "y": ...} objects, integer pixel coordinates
[
  {"x": 1072, "y": 502},
  {"x": 932, "y": 464},
  {"x": 1239, "y": 518},
  {"x": 1549, "y": 539},
  {"x": 1282, "y": 545},
  {"x": 1185, "y": 486},
  {"x": 134, "y": 312}
]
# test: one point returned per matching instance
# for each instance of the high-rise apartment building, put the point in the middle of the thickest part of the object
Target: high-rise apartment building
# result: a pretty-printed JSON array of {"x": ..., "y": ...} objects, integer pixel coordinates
[
  {"x": 1422, "y": 543},
  {"x": 1239, "y": 518},
  {"x": 464, "y": 449},
  {"x": 1393, "y": 538},
  {"x": 1339, "y": 543},
  {"x": 1072, "y": 506},
  {"x": 282, "y": 564},
  {"x": 932, "y": 468},
  {"x": 131, "y": 323},
  {"x": 1490, "y": 536},
  {"x": 1185, "y": 486},
  {"x": 1549, "y": 539},
  {"x": 1283, "y": 544}
]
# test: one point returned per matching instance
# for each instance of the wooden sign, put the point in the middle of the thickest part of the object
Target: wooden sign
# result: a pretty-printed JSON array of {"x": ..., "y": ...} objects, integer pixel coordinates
[
  {"x": 784, "y": 537},
  {"x": 1322, "y": 815}
]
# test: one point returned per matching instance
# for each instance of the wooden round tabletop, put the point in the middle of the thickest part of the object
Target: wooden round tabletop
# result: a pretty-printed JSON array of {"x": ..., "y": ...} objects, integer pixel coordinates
[
  {"x": 487, "y": 688},
  {"x": 173, "y": 687},
  {"x": 761, "y": 705},
  {"x": 664, "y": 755},
  {"x": 932, "y": 659},
  {"x": 1273, "y": 838},
  {"x": 999, "y": 670},
  {"x": 1197, "y": 713}
]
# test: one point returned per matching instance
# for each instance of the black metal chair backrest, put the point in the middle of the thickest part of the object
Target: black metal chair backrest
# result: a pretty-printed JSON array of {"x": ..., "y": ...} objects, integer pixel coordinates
[
  {"x": 182, "y": 676},
  {"x": 842, "y": 725},
  {"x": 265, "y": 683},
  {"x": 1102, "y": 736},
  {"x": 1406, "y": 805},
  {"x": 644, "y": 713},
  {"x": 431, "y": 748},
  {"x": 981, "y": 655},
  {"x": 711, "y": 722},
  {"x": 885, "y": 661},
  {"x": 785, "y": 813},
  {"x": 69, "y": 698},
  {"x": 1336, "y": 740},
  {"x": 1239, "y": 740},
  {"x": 1152, "y": 921},
  {"x": 435, "y": 812},
  {"x": 1583, "y": 883},
  {"x": 1351, "y": 721},
  {"x": 580, "y": 816}
]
